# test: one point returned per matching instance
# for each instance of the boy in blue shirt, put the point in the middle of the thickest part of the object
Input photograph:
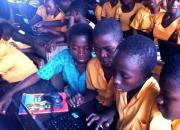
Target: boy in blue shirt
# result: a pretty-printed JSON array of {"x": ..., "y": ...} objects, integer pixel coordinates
[{"x": 71, "y": 63}]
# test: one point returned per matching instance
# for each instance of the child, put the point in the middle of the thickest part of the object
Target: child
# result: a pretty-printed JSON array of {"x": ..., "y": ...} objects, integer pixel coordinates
[
  {"x": 125, "y": 13},
  {"x": 78, "y": 11},
  {"x": 14, "y": 65},
  {"x": 143, "y": 21},
  {"x": 167, "y": 24},
  {"x": 109, "y": 8},
  {"x": 169, "y": 100},
  {"x": 48, "y": 18},
  {"x": 7, "y": 34},
  {"x": 136, "y": 90},
  {"x": 70, "y": 63},
  {"x": 107, "y": 36}
]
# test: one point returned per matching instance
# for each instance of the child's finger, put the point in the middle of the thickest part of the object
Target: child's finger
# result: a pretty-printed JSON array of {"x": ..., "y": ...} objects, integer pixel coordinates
[
  {"x": 90, "y": 116},
  {"x": 70, "y": 102},
  {"x": 93, "y": 119},
  {"x": 77, "y": 100},
  {"x": 99, "y": 124}
]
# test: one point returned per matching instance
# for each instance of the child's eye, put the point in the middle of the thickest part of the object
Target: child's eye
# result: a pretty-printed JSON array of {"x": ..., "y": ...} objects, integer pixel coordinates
[
  {"x": 124, "y": 76},
  {"x": 75, "y": 48},
  {"x": 87, "y": 48}
]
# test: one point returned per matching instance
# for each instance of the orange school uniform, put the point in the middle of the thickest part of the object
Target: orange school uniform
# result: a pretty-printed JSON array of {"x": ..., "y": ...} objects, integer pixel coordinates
[
  {"x": 98, "y": 12},
  {"x": 176, "y": 124},
  {"x": 125, "y": 18},
  {"x": 143, "y": 20},
  {"x": 164, "y": 33},
  {"x": 14, "y": 65},
  {"x": 108, "y": 11},
  {"x": 95, "y": 80},
  {"x": 141, "y": 112},
  {"x": 41, "y": 11}
]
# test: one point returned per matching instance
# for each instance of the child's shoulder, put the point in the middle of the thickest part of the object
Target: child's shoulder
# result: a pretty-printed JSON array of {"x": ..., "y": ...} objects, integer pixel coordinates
[
  {"x": 64, "y": 54},
  {"x": 152, "y": 86},
  {"x": 94, "y": 61}
]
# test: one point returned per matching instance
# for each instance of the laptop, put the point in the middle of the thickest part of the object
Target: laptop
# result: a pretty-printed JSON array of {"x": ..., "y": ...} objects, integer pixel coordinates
[
  {"x": 168, "y": 49},
  {"x": 73, "y": 120}
]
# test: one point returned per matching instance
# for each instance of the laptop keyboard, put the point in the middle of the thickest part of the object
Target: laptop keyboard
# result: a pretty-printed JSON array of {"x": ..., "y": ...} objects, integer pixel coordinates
[{"x": 74, "y": 120}]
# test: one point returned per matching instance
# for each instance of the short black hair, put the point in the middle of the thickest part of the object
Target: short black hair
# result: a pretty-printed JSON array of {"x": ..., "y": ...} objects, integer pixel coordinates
[
  {"x": 79, "y": 30},
  {"x": 109, "y": 26},
  {"x": 5, "y": 25},
  {"x": 143, "y": 49},
  {"x": 171, "y": 69},
  {"x": 79, "y": 6}
]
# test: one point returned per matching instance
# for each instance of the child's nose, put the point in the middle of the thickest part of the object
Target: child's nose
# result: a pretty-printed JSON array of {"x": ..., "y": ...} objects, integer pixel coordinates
[
  {"x": 117, "y": 80},
  {"x": 103, "y": 53},
  {"x": 81, "y": 51}
]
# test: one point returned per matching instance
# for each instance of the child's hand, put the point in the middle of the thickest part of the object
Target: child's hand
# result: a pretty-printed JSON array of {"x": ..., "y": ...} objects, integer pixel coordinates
[
  {"x": 76, "y": 101},
  {"x": 51, "y": 46},
  {"x": 39, "y": 24},
  {"x": 5, "y": 101},
  {"x": 104, "y": 120}
]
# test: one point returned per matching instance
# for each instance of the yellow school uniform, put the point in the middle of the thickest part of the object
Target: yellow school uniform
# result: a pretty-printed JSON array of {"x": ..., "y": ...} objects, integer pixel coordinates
[
  {"x": 125, "y": 18},
  {"x": 143, "y": 20},
  {"x": 14, "y": 65},
  {"x": 162, "y": 33},
  {"x": 98, "y": 12},
  {"x": 176, "y": 125},
  {"x": 141, "y": 112},
  {"x": 95, "y": 80},
  {"x": 17, "y": 44},
  {"x": 108, "y": 11},
  {"x": 41, "y": 11}
]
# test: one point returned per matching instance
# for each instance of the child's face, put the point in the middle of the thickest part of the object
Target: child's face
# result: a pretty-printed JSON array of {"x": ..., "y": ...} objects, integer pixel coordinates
[
  {"x": 173, "y": 5},
  {"x": 127, "y": 73},
  {"x": 50, "y": 7},
  {"x": 169, "y": 99},
  {"x": 127, "y": 2},
  {"x": 80, "y": 48},
  {"x": 105, "y": 47},
  {"x": 152, "y": 4}
]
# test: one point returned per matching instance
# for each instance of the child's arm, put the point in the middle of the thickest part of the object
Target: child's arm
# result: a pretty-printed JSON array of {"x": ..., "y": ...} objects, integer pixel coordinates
[
  {"x": 178, "y": 38},
  {"x": 55, "y": 23},
  {"x": 103, "y": 120},
  {"x": 35, "y": 20},
  {"x": 7, "y": 98}
]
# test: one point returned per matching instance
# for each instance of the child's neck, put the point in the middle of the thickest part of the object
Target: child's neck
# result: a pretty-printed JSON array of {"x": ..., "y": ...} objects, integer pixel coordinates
[
  {"x": 81, "y": 67},
  {"x": 128, "y": 8},
  {"x": 107, "y": 73},
  {"x": 155, "y": 10},
  {"x": 131, "y": 93},
  {"x": 113, "y": 4}
]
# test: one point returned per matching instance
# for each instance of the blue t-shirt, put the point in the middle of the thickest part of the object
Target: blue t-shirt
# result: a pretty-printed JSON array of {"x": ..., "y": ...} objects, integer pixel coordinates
[{"x": 64, "y": 62}]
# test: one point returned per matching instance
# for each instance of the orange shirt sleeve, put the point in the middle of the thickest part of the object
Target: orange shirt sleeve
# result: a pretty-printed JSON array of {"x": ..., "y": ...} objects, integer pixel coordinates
[
  {"x": 88, "y": 77},
  {"x": 136, "y": 23},
  {"x": 104, "y": 10},
  {"x": 98, "y": 12},
  {"x": 158, "y": 122}
]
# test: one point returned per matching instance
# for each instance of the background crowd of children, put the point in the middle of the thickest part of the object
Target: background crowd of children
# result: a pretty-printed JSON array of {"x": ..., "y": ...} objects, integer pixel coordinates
[{"x": 108, "y": 60}]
